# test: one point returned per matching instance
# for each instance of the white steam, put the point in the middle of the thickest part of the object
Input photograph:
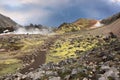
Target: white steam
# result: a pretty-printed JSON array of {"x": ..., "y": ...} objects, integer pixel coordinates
[
  {"x": 32, "y": 31},
  {"x": 23, "y": 30}
]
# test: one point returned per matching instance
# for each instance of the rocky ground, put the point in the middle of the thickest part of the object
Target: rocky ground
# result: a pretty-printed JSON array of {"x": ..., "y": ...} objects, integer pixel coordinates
[
  {"x": 99, "y": 63},
  {"x": 18, "y": 51}
]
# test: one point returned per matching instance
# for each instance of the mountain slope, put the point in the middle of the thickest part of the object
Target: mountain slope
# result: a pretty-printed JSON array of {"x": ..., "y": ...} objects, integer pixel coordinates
[
  {"x": 111, "y": 19},
  {"x": 80, "y": 24},
  {"x": 113, "y": 26},
  {"x": 7, "y": 24}
]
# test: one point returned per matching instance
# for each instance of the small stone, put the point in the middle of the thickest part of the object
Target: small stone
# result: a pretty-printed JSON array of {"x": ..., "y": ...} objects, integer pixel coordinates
[
  {"x": 55, "y": 78},
  {"x": 85, "y": 79},
  {"x": 24, "y": 76},
  {"x": 51, "y": 73},
  {"x": 103, "y": 67},
  {"x": 67, "y": 77},
  {"x": 74, "y": 71},
  {"x": 90, "y": 75},
  {"x": 103, "y": 78}
]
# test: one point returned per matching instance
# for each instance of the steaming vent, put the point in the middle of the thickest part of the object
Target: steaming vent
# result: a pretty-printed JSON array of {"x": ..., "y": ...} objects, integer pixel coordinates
[{"x": 30, "y": 29}]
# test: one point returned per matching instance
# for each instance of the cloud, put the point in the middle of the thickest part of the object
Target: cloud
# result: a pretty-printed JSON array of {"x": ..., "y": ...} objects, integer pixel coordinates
[
  {"x": 55, "y": 12},
  {"x": 29, "y": 15},
  {"x": 46, "y": 3},
  {"x": 33, "y": 11},
  {"x": 42, "y": 3},
  {"x": 115, "y": 1}
]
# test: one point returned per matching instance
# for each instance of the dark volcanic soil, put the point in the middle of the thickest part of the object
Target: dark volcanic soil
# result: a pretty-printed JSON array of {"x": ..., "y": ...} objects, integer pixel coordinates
[
  {"x": 39, "y": 60},
  {"x": 40, "y": 55}
]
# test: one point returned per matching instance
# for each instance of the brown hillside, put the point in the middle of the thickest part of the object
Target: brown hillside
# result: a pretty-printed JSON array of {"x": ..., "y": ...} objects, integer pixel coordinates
[
  {"x": 80, "y": 24},
  {"x": 113, "y": 27},
  {"x": 87, "y": 23}
]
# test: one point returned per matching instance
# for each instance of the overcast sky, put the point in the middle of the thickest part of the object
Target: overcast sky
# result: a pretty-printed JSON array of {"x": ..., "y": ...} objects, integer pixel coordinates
[{"x": 55, "y": 12}]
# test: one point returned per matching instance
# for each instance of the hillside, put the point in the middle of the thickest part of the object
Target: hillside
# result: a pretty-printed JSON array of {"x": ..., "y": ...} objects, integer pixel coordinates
[
  {"x": 80, "y": 24},
  {"x": 114, "y": 27},
  {"x": 7, "y": 24},
  {"x": 111, "y": 19},
  {"x": 87, "y": 26}
]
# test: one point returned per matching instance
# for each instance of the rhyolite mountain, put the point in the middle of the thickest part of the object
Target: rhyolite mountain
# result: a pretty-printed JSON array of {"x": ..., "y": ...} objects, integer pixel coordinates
[
  {"x": 80, "y": 24},
  {"x": 7, "y": 23},
  {"x": 91, "y": 26}
]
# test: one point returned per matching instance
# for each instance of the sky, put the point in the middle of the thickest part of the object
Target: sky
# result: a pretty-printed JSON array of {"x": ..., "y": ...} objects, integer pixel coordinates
[{"x": 52, "y": 13}]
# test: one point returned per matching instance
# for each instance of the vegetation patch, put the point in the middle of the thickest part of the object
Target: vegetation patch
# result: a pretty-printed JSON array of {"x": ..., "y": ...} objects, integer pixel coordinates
[
  {"x": 29, "y": 45},
  {"x": 71, "y": 48},
  {"x": 9, "y": 66},
  {"x": 15, "y": 47},
  {"x": 81, "y": 24}
]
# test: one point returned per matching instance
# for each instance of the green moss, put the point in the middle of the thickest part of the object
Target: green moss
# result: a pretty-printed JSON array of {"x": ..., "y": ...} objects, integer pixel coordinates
[
  {"x": 81, "y": 24},
  {"x": 14, "y": 49},
  {"x": 30, "y": 44},
  {"x": 9, "y": 66},
  {"x": 9, "y": 61},
  {"x": 67, "y": 49}
]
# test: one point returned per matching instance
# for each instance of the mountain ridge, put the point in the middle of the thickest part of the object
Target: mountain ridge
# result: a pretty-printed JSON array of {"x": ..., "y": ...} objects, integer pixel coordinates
[{"x": 110, "y": 19}]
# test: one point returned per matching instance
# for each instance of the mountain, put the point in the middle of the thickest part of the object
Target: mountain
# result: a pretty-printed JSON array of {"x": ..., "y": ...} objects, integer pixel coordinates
[
  {"x": 85, "y": 23},
  {"x": 7, "y": 24},
  {"x": 94, "y": 27},
  {"x": 80, "y": 24}
]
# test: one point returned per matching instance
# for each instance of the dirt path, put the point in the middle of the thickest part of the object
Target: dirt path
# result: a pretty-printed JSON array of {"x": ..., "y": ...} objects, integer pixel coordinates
[{"x": 40, "y": 57}]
